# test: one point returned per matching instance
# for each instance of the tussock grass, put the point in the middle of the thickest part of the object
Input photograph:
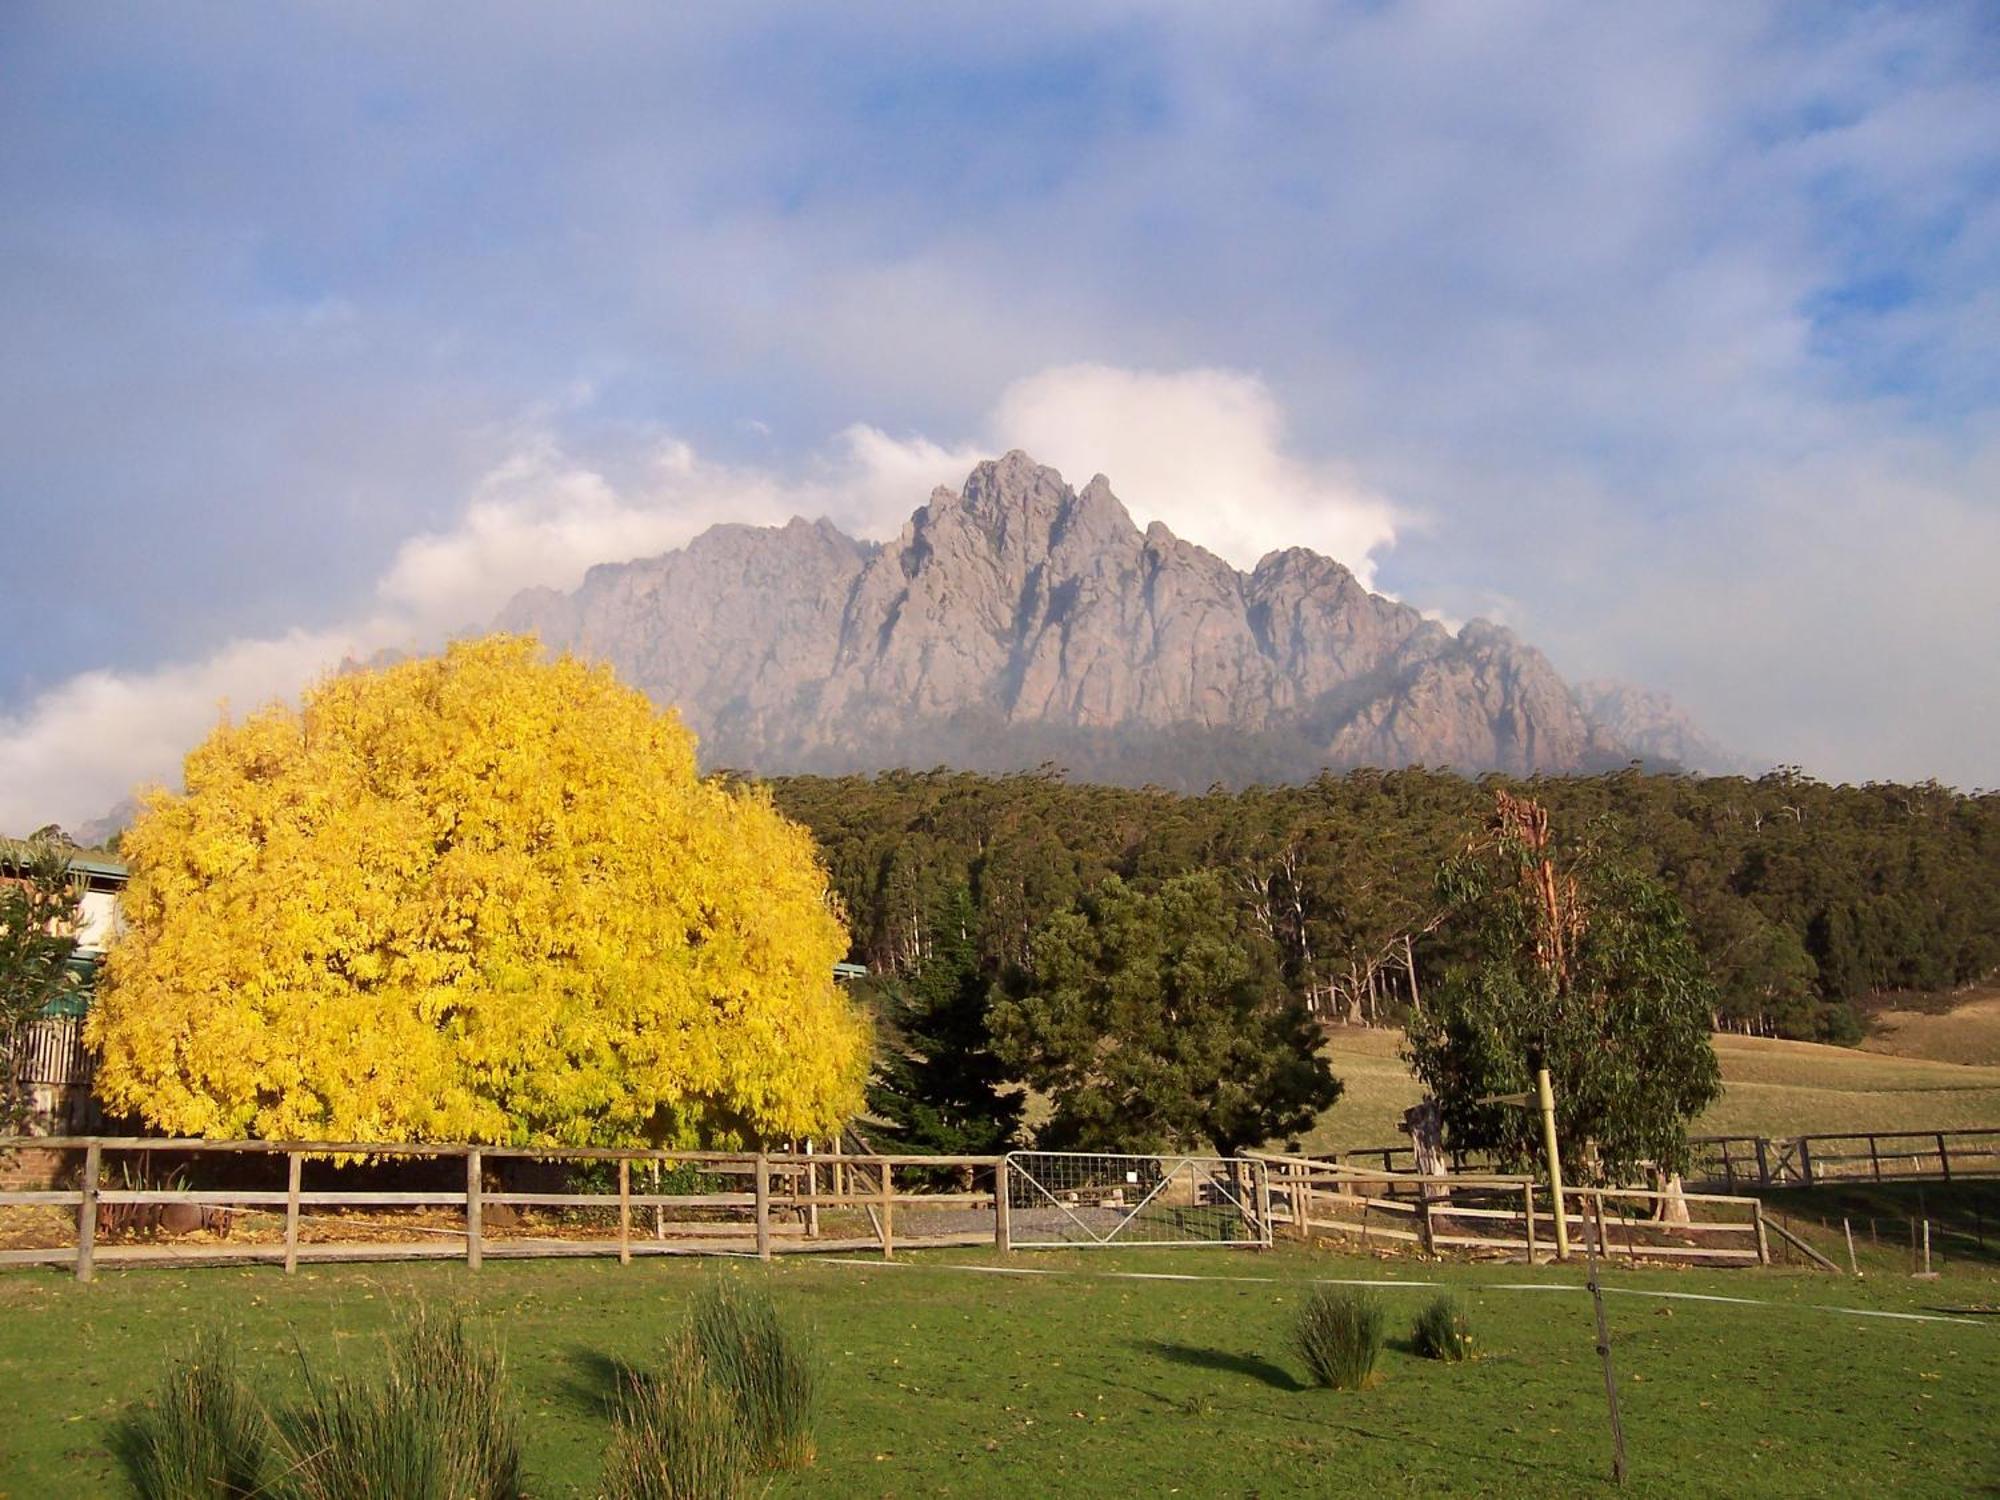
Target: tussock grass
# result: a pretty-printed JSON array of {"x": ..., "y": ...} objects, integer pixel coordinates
[
  {"x": 1339, "y": 1336},
  {"x": 202, "y": 1436},
  {"x": 439, "y": 1425},
  {"x": 676, "y": 1435},
  {"x": 1441, "y": 1331},
  {"x": 762, "y": 1366}
]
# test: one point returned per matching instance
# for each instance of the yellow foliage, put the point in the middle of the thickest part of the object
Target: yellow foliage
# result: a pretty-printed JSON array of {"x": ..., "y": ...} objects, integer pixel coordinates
[{"x": 474, "y": 897}]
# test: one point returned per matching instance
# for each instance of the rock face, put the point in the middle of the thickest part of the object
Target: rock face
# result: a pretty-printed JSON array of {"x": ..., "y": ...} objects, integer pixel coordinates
[
  {"x": 1021, "y": 621},
  {"x": 1656, "y": 729}
]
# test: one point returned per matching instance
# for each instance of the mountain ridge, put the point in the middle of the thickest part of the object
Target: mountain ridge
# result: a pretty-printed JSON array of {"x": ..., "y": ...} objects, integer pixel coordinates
[{"x": 1018, "y": 620}]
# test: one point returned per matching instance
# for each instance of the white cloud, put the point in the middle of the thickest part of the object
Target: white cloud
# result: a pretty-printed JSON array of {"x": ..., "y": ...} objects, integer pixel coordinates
[{"x": 1200, "y": 450}]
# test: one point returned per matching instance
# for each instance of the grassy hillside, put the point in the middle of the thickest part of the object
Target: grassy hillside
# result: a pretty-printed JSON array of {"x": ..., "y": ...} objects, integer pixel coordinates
[
  {"x": 1769, "y": 1088},
  {"x": 1967, "y": 1032}
]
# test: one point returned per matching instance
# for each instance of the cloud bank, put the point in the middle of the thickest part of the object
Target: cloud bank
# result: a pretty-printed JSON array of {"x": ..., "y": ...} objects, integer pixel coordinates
[{"x": 1202, "y": 450}]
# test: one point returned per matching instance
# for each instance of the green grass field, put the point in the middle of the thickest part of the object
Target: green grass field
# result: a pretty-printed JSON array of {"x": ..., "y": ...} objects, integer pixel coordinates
[
  {"x": 1769, "y": 1088},
  {"x": 944, "y": 1382}
]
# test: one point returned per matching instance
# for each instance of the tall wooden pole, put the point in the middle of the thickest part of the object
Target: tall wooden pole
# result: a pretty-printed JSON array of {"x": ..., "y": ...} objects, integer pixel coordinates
[
  {"x": 1604, "y": 1343},
  {"x": 1548, "y": 1103}
]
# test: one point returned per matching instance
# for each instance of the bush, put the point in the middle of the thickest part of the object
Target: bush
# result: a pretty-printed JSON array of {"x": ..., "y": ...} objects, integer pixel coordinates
[
  {"x": 439, "y": 1426},
  {"x": 762, "y": 1366},
  {"x": 677, "y": 1436},
  {"x": 1441, "y": 1331},
  {"x": 203, "y": 1436},
  {"x": 1339, "y": 1335}
]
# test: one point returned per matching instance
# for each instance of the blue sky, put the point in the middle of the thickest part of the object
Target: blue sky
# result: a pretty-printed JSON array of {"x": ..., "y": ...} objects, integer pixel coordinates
[{"x": 1665, "y": 334}]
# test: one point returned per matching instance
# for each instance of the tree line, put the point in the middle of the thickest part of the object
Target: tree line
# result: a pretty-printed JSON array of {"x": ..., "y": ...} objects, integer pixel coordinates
[{"x": 1803, "y": 898}]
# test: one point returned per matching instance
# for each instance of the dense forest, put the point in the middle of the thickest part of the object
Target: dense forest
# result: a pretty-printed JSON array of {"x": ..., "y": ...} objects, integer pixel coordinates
[{"x": 1805, "y": 898}]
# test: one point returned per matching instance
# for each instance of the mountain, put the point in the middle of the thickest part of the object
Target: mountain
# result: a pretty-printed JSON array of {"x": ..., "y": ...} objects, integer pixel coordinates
[
  {"x": 1020, "y": 621},
  {"x": 1656, "y": 729}
]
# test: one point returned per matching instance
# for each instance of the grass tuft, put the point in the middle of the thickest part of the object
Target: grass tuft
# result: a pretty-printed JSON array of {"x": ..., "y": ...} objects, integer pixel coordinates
[
  {"x": 203, "y": 1436},
  {"x": 438, "y": 1426},
  {"x": 1441, "y": 1331},
  {"x": 762, "y": 1366},
  {"x": 676, "y": 1435},
  {"x": 1339, "y": 1335}
]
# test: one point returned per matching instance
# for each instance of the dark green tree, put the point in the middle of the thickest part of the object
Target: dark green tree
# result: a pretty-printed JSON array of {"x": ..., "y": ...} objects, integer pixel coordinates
[
  {"x": 1156, "y": 1021},
  {"x": 937, "y": 1083},
  {"x": 38, "y": 912},
  {"x": 1576, "y": 963}
]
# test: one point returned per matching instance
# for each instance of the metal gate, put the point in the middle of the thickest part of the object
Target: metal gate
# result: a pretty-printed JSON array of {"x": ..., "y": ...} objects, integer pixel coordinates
[{"x": 1085, "y": 1199}]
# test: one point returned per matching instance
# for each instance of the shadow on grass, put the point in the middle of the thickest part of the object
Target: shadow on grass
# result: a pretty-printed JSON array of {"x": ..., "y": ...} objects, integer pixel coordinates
[
  {"x": 1222, "y": 1361},
  {"x": 595, "y": 1382}
]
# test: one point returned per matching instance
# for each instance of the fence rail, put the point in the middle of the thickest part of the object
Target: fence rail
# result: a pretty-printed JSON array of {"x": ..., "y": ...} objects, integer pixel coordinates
[
  {"x": 1495, "y": 1211},
  {"x": 1858, "y": 1156},
  {"x": 749, "y": 1203},
  {"x": 1758, "y": 1161}
]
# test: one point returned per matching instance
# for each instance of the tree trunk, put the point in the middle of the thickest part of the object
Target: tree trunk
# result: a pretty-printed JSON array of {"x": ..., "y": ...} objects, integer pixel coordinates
[{"x": 1424, "y": 1124}]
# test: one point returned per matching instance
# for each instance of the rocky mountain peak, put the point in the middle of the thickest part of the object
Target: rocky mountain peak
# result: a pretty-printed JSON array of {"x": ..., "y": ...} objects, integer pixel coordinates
[{"x": 1017, "y": 620}]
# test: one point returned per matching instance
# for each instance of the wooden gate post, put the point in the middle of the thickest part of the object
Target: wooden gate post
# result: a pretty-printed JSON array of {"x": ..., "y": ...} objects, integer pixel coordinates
[
  {"x": 1003, "y": 1208},
  {"x": 293, "y": 1162},
  {"x": 474, "y": 1211},
  {"x": 86, "y": 1212},
  {"x": 812, "y": 1193},
  {"x": 1263, "y": 1174},
  {"x": 888, "y": 1212},
  {"x": 763, "y": 1206},
  {"x": 624, "y": 1211},
  {"x": 1763, "y": 1162},
  {"x": 1528, "y": 1208},
  {"x": 1944, "y": 1157},
  {"x": 1805, "y": 1159},
  {"x": 1763, "y": 1241}
]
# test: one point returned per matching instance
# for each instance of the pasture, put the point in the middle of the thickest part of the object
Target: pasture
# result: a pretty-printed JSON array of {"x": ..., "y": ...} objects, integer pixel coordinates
[
  {"x": 943, "y": 1380},
  {"x": 1770, "y": 1087}
]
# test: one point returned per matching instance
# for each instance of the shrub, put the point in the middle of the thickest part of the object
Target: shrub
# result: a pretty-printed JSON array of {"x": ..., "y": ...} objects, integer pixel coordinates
[
  {"x": 1441, "y": 1331},
  {"x": 438, "y": 1426},
  {"x": 203, "y": 1436},
  {"x": 1339, "y": 1335},
  {"x": 676, "y": 1435},
  {"x": 762, "y": 1366}
]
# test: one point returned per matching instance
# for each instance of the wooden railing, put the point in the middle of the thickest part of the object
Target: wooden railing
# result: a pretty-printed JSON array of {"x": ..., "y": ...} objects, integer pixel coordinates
[
  {"x": 1493, "y": 1211},
  {"x": 52, "y": 1052},
  {"x": 1859, "y": 1156},
  {"x": 778, "y": 1202}
]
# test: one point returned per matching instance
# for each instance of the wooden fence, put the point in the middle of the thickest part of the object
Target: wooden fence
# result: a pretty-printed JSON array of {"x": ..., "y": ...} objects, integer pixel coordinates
[
  {"x": 1733, "y": 1162},
  {"x": 748, "y": 1203},
  {"x": 1862, "y": 1156},
  {"x": 1500, "y": 1212},
  {"x": 52, "y": 1052}
]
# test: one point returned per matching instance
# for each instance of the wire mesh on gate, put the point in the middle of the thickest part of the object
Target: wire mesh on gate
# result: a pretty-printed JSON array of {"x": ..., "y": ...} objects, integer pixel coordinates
[{"x": 1079, "y": 1198}]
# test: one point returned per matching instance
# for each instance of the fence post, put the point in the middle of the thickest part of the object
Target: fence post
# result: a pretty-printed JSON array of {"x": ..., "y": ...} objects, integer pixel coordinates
[
  {"x": 1263, "y": 1172},
  {"x": 1875, "y": 1157},
  {"x": 1003, "y": 1215},
  {"x": 1763, "y": 1241},
  {"x": 1763, "y": 1162},
  {"x": 812, "y": 1193},
  {"x": 1805, "y": 1159},
  {"x": 888, "y": 1212},
  {"x": 86, "y": 1212},
  {"x": 624, "y": 1211},
  {"x": 1728, "y": 1166},
  {"x": 1944, "y": 1157},
  {"x": 474, "y": 1211},
  {"x": 1528, "y": 1205},
  {"x": 763, "y": 1206},
  {"x": 293, "y": 1163},
  {"x": 1301, "y": 1186}
]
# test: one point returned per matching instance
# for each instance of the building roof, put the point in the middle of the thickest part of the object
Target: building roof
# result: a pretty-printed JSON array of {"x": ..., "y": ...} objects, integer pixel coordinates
[{"x": 98, "y": 862}]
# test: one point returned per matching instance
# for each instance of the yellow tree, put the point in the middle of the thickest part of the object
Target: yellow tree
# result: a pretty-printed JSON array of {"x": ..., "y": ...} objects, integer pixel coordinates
[{"x": 479, "y": 897}]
